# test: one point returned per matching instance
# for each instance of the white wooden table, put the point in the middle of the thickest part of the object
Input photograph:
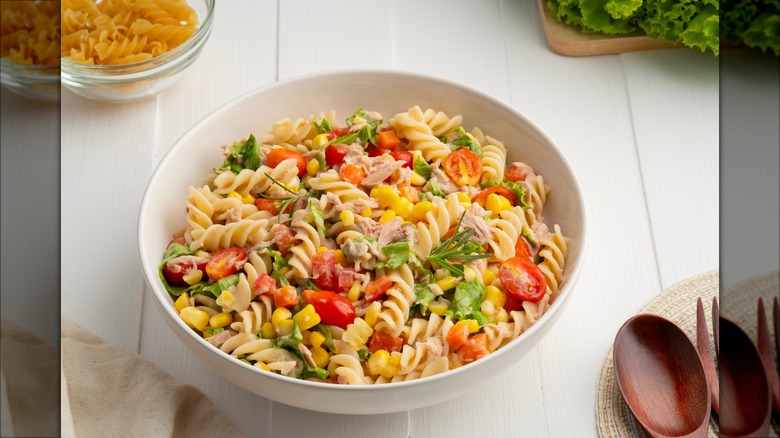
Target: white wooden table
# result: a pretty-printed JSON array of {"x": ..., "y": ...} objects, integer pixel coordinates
[{"x": 640, "y": 129}]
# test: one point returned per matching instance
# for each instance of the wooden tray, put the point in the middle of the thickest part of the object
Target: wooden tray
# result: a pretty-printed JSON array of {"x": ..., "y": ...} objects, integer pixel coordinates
[{"x": 570, "y": 41}]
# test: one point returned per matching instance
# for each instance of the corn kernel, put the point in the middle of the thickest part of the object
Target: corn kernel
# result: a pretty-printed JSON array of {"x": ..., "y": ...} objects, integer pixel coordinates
[
  {"x": 469, "y": 274},
  {"x": 286, "y": 327},
  {"x": 339, "y": 256},
  {"x": 387, "y": 216},
  {"x": 234, "y": 195},
  {"x": 248, "y": 199},
  {"x": 471, "y": 324},
  {"x": 268, "y": 331},
  {"x": 496, "y": 296},
  {"x": 347, "y": 218},
  {"x": 195, "y": 317},
  {"x": 386, "y": 196},
  {"x": 316, "y": 339},
  {"x": 306, "y": 337},
  {"x": 283, "y": 272},
  {"x": 366, "y": 212},
  {"x": 193, "y": 277},
  {"x": 439, "y": 306},
  {"x": 380, "y": 364},
  {"x": 354, "y": 292},
  {"x": 501, "y": 315},
  {"x": 447, "y": 283},
  {"x": 497, "y": 203},
  {"x": 464, "y": 199},
  {"x": 319, "y": 141},
  {"x": 322, "y": 249},
  {"x": 182, "y": 302},
  {"x": 417, "y": 179},
  {"x": 488, "y": 277},
  {"x": 262, "y": 366},
  {"x": 402, "y": 207},
  {"x": 279, "y": 315},
  {"x": 487, "y": 308},
  {"x": 372, "y": 313},
  {"x": 225, "y": 299},
  {"x": 312, "y": 167},
  {"x": 420, "y": 209},
  {"x": 306, "y": 318},
  {"x": 320, "y": 356},
  {"x": 221, "y": 320}
]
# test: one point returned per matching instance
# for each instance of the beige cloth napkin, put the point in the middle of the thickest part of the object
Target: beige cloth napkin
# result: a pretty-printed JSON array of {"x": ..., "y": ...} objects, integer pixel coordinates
[{"x": 105, "y": 391}]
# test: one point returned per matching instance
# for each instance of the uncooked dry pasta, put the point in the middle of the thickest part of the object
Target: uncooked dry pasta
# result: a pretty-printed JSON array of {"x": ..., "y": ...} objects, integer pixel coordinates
[
  {"x": 373, "y": 252},
  {"x": 30, "y": 32},
  {"x": 111, "y": 32}
]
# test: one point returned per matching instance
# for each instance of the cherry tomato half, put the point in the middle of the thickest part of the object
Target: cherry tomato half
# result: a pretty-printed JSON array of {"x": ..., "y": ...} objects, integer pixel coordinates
[
  {"x": 327, "y": 275},
  {"x": 265, "y": 285},
  {"x": 374, "y": 151},
  {"x": 522, "y": 279},
  {"x": 463, "y": 167},
  {"x": 278, "y": 155},
  {"x": 383, "y": 341},
  {"x": 482, "y": 196},
  {"x": 334, "y": 155},
  {"x": 377, "y": 288},
  {"x": 516, "y": 172},
  {"x": 226, "y": 262},
  {"x": 332, "y": 308},
  {"x": 404, "y": 156},
  {"x": 176, "y": 269},
  {"x": 522, "y": 249}
]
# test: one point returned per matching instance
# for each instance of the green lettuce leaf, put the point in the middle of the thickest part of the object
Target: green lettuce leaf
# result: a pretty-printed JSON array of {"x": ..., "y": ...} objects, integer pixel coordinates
[
  {"x": 215, "y": 289},
  {"x": 317, "y": 217},
  {"x": 517, "y": 189},
  {"x": 398, "y": 253},
  {"x": 175, "y": 250},
  {"x": 322, "y": 126},
  {"x": 242, "y": 156},
  {"x": 459, "y": 139},
  {"x": 422, "y": 168},
  {"x": 467, "y": 302}
]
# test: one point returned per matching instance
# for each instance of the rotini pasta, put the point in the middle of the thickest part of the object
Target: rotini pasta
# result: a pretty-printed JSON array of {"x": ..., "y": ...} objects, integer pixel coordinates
[
  {"x": 30, "y": 32},
  {"x": 366, "y": 254}
]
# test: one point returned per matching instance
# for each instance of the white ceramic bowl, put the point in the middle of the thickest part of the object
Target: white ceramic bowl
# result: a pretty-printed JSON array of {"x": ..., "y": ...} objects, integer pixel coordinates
[{"x": 389, "y": 92}]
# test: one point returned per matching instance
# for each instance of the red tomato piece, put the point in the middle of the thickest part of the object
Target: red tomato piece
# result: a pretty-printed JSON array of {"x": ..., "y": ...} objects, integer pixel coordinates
[
  {"x": 334, "y": 155},
  {"x": 324, "y": 273},
  {"x": 265, "y": 284},
  {"x": 278, "y": 155},
  {"x": 482, "y": 196},
  {"x": 351, "y": 174},
  {"x": 516, "y": 172},
  {"x": 344, "y": 278},
  {"x": 264, "y": 204},
  {"x": 383, "y": 341},
  {"x": 283, "y": 238},
  {"x": 338, "y": 132},
  {"x": 522, "y": 249},
  {"x": 226, "y": 262},
  {"x": 404, "y": 156},
  {"x": 374, "y": 151},
  {"x": 522, "y": 279},
  {"x": 332, "y": 308},
  {"x": 457, "y": 336},
  {"x": 388, "y": 140},
  {"x": 285, "y": 296},
  {"x": 176, "y": 269},
  {"x": 476, "y": 347},
  {"x": 463, "y": 167},
  {"x": 377, "y": 288},
  {"x": 512, "y": 304}
]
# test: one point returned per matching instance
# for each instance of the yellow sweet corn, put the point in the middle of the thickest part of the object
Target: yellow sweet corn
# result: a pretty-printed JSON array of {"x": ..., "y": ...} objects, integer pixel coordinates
[
  {"x": 381, "y": 363},
  {"x": 283, "y": 272},
  {"x": 354, "y": 292},
  {"x": 279, "y": 315},
  {"x": 268, "y": 331},
  {"x": 225, "y": 299},
  {"x": 193, "y": 277},
  {"x": 471, "y": 324},
  {"x": 320, "y": 356},
  {"x": 312, "y": 167},
  {"x": 347, "y": 218},
  {"x": 339, "y": 256},
  {"x": 221, "y": 320},
  {"x": 496, "y": 203},
  {"x": 319, "y": 141},
  {"x": 501, "y": 315},
  {"x": 234, "y": 195},
  {"x": 372, "y": 313},
  {"x": 195, "y": 317},
  {"x": 366, "y": 212},
  {"x": 487, "y": 308},
  {"x": 417, "y": 180},
  {"x": 316, "y": 339},
  {"x": 439, "y": 306},
  {"x": 495, "y": 296},
  {"x": 286, "y": 327},
  {"x": 420, "y": 209},
  {"x": 387, "y": 216},
  {"x": 488, "y": 277},
  {"x": 248, "y": 199},
  {"x": 402, "y": 207},
  {"x": 182, "y": 302},
  {"x": 386, "y": 195},
  {"x": 469, "y": 274},
  {"x": 262, "y": 366},
  {"x": 447, "y": 283},
  {"x": 464, "y": 199},
  {"x": 306, "y": 318},
  {"x": 322, "y": 249},
  {"x": 306, "y": 337}
]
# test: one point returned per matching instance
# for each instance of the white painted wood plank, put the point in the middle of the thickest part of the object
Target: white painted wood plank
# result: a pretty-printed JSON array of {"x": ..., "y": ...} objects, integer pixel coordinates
[
  {"x": 675, "y": 109},
  {"x": 106, "y": 162},
  {"x": 750, "y": 145},
  {"x": 29, "y": 230}
]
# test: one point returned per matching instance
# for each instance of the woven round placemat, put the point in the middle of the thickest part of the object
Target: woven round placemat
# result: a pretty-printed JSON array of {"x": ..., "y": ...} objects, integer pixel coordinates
[{"x": 678, "y": 304}]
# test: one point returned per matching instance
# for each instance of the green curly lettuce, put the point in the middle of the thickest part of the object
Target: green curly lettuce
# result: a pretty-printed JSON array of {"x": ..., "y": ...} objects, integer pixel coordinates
[
  {"x": 694, "y": 23},
  {"x": 755, "y": 24}
]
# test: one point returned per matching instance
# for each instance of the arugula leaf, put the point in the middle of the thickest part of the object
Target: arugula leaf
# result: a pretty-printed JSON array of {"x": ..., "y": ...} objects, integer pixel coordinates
[
  {"x": 424, "y": 297},
  {"x": 467, "y": 301},
  {"x": 462, "y": 140},
  {"x": 215, "y": 289},
  {"x": 277, "y": 263},
  {"x": 517, "y": 189},
  {"x": 208, "y": 332},
  {"x": 433, "y": 188},
  {"x": 398, "y": 253},
  {"x": 251, "y": 153},
  {"x": 322, "y": 126},
  {"x": 422, "y": 168},
  {"x": 242, "y": 156},
  {"x": 317, "y": 217},
  {"x": 368, "y": 239},
  {"x": 176, "y": 250}
]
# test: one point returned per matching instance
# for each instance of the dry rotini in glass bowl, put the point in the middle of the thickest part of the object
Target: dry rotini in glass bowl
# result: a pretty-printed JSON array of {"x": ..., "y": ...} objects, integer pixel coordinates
[
  {"x": 116, "y": 51},
  {"x": 30, "y": 49}
]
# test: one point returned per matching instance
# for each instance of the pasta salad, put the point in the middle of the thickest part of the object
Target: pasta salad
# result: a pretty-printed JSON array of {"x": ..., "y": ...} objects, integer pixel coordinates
[{"x": 371, "y": 251}]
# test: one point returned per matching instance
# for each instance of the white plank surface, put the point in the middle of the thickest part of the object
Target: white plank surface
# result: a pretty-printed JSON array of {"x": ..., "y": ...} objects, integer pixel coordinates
[{"x": 604, "y": 112}]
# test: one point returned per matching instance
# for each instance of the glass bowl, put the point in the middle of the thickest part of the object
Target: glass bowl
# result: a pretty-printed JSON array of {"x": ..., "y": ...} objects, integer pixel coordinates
[
  {"x": 144, "y": 79},
  {"x": 36, "y": 82}
]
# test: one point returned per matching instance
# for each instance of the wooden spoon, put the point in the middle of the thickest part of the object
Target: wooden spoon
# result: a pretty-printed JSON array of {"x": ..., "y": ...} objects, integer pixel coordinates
[
  {"x": 745, "y": 403},
  {"x": 661, "y": 377}
]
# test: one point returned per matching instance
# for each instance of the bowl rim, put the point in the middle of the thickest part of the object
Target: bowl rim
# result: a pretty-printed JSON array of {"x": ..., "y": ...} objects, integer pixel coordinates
[
  {"x": 139, "y": 69},
  {"x": 557, "y": 306}
]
